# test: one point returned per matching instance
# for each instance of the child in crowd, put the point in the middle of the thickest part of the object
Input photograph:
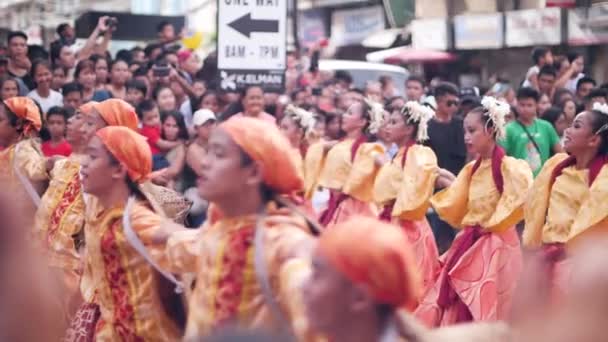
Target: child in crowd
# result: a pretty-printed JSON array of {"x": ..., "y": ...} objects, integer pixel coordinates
[
  {"x": 151, "y": 128},
  {"x": 136, "y": 92},
  {"x": 72, "y": 95},
  {"x": 59, "y": 77},
  {"x": 56, "y": 122},
  {"x": 8, "y": 88}
]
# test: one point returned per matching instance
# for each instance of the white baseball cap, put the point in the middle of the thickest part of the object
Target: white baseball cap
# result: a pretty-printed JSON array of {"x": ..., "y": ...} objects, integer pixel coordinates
[{"x": 201, "y": 117}]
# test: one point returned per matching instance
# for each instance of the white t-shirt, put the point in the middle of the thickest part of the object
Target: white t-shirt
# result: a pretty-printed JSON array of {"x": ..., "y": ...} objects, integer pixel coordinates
[
  {"x": 571, "y": 84},
  {"x": 534, "y": 70},
  {"x": 55, "y": 99},
  {"x": 186, "y": 110}
]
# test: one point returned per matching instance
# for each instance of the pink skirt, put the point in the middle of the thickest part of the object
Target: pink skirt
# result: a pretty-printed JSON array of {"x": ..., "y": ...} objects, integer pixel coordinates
[
  {"x": 346, "y": 208},
  {"x": 479, "y": 276},
  {"x": 422, "y": 242}
]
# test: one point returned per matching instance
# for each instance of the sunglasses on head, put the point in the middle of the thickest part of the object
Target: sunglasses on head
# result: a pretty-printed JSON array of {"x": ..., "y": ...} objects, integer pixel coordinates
[{"x": 451, "y": 103}]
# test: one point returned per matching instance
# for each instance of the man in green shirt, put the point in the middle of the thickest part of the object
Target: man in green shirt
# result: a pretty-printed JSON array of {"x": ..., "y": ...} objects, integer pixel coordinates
[{"x": 529, "y": 138}]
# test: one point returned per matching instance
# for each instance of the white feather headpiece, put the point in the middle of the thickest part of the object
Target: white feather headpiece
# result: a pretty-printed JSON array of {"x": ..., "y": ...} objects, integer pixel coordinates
[
  {"x": 421, "y": 115},
  {"x": 376, "y": 115},
  {"x": 497, "y": 111},
  {"x": 600, "y": 107},
  {"x": 304, "y": 118}
]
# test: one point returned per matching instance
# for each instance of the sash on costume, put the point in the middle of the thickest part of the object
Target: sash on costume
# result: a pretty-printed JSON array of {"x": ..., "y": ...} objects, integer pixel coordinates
[
  {"x": 555, "y": 252},
  {"x": 447, "y": 295},
  {"x": 337, "y": 197},
  {"x": 387, "y": 212}
]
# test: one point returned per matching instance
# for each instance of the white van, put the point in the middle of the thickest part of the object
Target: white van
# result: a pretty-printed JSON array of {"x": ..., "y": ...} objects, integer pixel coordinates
[{"x": 366, "y": 71}]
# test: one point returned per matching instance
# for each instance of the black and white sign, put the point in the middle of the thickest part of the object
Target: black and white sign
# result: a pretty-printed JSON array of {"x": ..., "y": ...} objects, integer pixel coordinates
[{"x": 252, "y": 43}]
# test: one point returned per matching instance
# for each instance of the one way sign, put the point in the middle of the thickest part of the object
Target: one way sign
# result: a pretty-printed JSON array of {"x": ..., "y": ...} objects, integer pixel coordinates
[{"x": 252, "y": 43}]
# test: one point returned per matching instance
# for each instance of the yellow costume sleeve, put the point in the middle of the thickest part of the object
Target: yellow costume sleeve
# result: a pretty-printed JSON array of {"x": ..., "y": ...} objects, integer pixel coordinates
[
  {"x": 535, "y": 209},
  {"x": 30, "y": 160},
  {"x": 418, "y": 183},
  {"x": 388, "y": 180},
  {"x": 183, "y": 250},
  {"x": 517, "y": 180},
  {"x": 288, "y": 254},
  {"x": 337, "y": 166},
  {"x": 299, "y": 161},
  {"x": 360, "y": 181},
  {"x": 451, "y": 203},
  {"x": 313, "y": 164},
  {"x": 593, "y": 213},
  {"x": 147, "y": 226}
]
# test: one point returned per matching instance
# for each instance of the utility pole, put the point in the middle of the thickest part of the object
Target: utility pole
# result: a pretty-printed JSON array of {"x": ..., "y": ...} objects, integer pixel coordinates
[{"x": 293, "y": 12}]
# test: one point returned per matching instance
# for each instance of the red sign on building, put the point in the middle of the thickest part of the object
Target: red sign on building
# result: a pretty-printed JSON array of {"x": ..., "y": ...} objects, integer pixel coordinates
[{"x": 561, "y": 3}]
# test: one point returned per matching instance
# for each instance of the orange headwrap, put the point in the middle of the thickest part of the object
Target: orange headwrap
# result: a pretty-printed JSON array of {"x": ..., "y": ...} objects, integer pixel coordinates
[
  {"x": 86, "y": 108},
  {"x": 116, "y": 112},
  {"x": 375, "y": 255},
  {"x": 130, "y": 149},
  {"x": 266, "y": 145},
  {"x": 25, "y": 108}
]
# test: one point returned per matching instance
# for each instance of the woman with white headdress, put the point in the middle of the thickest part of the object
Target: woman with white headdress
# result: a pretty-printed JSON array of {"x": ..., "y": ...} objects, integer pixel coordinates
[
  {"x": 405, "y": 184},
  {"x": 349, "y": 168},
  {"x": 297, "y": 125},
  {"x": 485, "y": 201},
  {"x": 568, "y": 204}
]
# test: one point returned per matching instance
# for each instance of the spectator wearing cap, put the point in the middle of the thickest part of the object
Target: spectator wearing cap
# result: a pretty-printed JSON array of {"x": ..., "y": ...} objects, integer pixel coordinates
[
  {"x": 204, "y": 121},
  {"x": 469, "y": 100},
  {"x": 18, "y": 62},
  {"x": 189, "y": 64}
]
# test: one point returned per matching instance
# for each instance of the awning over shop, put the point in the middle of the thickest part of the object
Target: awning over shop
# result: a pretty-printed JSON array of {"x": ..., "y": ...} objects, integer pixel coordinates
[
  {"x": 385, "y": 38},
  {"x": 407, "y": 54}
]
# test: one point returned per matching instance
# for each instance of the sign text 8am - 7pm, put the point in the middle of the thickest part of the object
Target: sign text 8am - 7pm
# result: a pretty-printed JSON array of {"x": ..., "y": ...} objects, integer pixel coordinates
[{"x": 252, "y": 43}]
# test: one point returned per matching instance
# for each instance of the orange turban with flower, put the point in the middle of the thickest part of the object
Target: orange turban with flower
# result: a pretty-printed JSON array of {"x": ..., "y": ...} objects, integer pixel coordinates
[
  {"x": 375, "y": 255},
  {"x": 87, "y": 107},
  {"x": 116, "y": 112},
  {"x": 130, "y": 149},
  {"x": 26, "y": 109},
  {"x": 266, "y": 145}
]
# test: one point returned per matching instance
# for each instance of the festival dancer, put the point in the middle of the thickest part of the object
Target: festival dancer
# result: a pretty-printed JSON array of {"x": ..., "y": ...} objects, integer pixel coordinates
[
  {"x": 481, "y": 268},
  {"x": 23, "y": 167},
  {"x": 351, "y": 165},
  {"x": 252, "y": 254},
  {"x": 362, "y": 291},
  {"x": 114, "y": 112},
  {"x": 405, "y": 184},
  {"x": 568, "y": 203},
  {"x": 128, "y": 288},
  {"x": 60, "y": 217},
  {"x": 296, "y": 125}
]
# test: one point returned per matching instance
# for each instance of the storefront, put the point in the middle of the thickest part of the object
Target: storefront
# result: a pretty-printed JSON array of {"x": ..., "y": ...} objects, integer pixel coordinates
[
  {"x": 588, "y": 28},
  {"x": 476, "y": 37}
]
